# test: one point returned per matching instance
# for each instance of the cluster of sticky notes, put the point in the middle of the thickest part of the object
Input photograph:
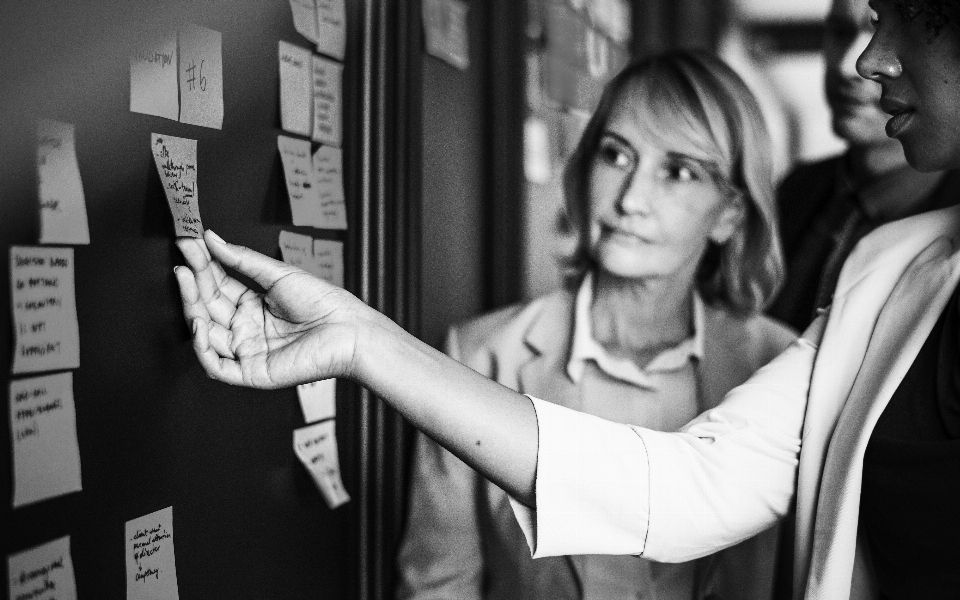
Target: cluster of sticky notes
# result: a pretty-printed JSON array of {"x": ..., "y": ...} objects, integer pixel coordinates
[
  {"x": 323, "y": 22},
  {"x": 176, "y": 160},
  {"x": 44, "y": 572},
  {"x": 63, "y": 209},
  {"x": 178, "y": 74},
  {"x": 316, "y": 447},
  {"x": 314, "y": 183},
  {"x": 311, "y": 95},
  {"x": 322, "y": 258}
]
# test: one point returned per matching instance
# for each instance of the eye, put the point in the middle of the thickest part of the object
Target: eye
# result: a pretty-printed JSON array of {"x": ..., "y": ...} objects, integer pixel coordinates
[
  {"x": 682, "y": 172},
  {"x": 614, "y": 154}
]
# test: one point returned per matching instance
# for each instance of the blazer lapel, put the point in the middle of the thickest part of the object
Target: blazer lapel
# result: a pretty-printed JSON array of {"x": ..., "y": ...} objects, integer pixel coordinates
[{"x": 904, "y": 323}]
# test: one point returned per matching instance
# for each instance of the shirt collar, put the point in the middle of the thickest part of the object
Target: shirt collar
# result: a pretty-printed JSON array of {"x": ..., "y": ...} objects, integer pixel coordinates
[{"x": 584, "y": 347}]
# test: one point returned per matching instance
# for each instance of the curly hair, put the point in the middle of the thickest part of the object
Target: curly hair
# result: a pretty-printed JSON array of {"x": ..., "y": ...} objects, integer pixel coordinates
[{"x": 937, "y": 13}]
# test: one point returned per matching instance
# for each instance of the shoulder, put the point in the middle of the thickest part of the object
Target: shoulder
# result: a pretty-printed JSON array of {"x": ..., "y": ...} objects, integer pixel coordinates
[{"x": 758, "y": 337}]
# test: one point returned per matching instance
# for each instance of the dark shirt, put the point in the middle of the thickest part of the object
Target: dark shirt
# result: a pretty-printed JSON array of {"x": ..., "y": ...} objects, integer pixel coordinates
[{"x": 909, "y": 501}]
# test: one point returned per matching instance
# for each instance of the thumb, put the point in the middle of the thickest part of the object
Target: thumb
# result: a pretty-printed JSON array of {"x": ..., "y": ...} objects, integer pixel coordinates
[{"x": 262, "y": 269}]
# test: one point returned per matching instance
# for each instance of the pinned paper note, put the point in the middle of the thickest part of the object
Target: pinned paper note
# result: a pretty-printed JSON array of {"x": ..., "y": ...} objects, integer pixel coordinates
[
  {"x": 332, "y": 28},
  {"x": 44, "y": 572},
  {"x": 297, "y": 250},
  {"x": 43, "y": 428},
  {"x": 63, "y": 210},
  {"x": 151, "y": 566},
  {"x": 445, "y": 30},
  {"x": 44, "y": 309},
  {"x": 318, "y": 400},
  {"x": 328, "y": 256},
  {"x": 176, "y": 160},
  {"x": 327, "y": 101},
  {"x": 328, "y": 170},
  {"x": 296, "y": 89},
  {"x": 301, "y": 187},
  {"x": 316, "y": 447},
  {"x": 201, "y": 76},
  {"x": 305, "y": 18},
  {"x": 153, "y": 75}
]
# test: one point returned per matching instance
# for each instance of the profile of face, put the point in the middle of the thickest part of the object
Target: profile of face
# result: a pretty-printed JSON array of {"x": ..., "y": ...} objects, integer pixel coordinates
[
  {"x": 919, "y": 73},
  {"x": 653, "y": 208},
  {"x": 854, "y": 101}
]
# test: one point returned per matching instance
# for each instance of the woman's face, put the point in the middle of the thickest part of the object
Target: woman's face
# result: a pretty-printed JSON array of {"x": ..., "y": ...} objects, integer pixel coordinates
[
  {"x": 920, "y": 78},
  {"x": 653, "y": 210}
]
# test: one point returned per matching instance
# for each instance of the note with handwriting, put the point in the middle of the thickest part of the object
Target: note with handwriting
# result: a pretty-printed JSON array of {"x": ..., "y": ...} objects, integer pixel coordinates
[
  {"x": 327, "y": 101},
  {"x": 318, "y": 400},
  {"x": 301, "y": 186},
  {"x": 44, "y": 572},
  {"x": 328, "y": 170},
  {"x": 176, "y": 160},
  {"x": 63, "y": 209},
  {"x": 316, "y": 447},
  {"x": 151, "y": 565},
  {"x": 201, "y": 76},
  {"x": 305, "y": 18},
  {"x": 153, "y": 75},
  {"x": 296, "y": 89},
  {"x": 43, "y": 428},
  {"x": 44, "y": 309},
  {"x": 332, "y": 28},
  {"x": 328, "y": 256},
  {"x": 297, "y": 250}
]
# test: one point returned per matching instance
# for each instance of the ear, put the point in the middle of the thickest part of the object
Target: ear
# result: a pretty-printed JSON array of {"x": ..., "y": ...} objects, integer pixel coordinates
[{"x": 728, "y": 222}]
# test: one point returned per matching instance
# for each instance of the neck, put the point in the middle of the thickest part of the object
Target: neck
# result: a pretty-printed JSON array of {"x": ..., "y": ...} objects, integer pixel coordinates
[
  {"x": 640, "y": 317},
  {"x": 870, "y": 162}
]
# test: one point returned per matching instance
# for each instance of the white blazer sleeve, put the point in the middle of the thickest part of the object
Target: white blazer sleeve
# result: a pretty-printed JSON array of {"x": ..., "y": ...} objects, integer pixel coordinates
[{"x": 607, "y": 488}]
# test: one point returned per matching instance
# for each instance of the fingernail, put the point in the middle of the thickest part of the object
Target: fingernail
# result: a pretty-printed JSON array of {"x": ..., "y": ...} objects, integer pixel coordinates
[
  {"x": 215, "y": 237},
  {"x": 175, "y": 270}
]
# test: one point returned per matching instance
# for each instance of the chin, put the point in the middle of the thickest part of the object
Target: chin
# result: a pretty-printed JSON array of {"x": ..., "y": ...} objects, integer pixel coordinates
[{"x": 926, "y": 157}]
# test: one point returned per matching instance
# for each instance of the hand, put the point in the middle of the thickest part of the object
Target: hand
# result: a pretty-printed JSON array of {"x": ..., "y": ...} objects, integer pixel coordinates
[{"x": 301, "y": 329}]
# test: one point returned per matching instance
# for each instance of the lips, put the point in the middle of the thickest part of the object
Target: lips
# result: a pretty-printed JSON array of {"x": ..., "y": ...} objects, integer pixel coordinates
[
  {"x": 623, "y": 234},
  {"x": 901, "y": 115}
]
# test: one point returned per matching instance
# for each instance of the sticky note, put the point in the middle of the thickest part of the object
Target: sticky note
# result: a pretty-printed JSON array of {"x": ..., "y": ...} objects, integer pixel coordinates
[
  {"x": 332, "y": 28},
  {"x": 296, "y": 89},
  {"x": 201, "y": 76},
  {"x": 176, "y": 160},
  {"x": 298, "y": 174},
  {"x": 153, "y": 75},
  {"x": 43, "y": 428},
  {"x": 316, "y": 447},
  {"x": 445, "y": 30},
  {"x": 44, "y": 309},
  {"x": 327, "y": 101},
  {"x": 328, "y": 170},
  {"x": 297, "y": 250},
  {"x": 318, "y": 400},
  {"x": 44, "y": 572},
  {"x": 151, "y": 566},
  {"x": 328, "y": 256},
  {"x": 305, "y": 18},
  {"x": 63, "y": 209}
]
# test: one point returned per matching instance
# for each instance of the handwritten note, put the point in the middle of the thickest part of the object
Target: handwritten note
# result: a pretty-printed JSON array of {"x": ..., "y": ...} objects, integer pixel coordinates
[
  {"x": 201, "y": 76},
  {"x": 63, "y": 209},
  {"x": 43, "y": 428},
  {"x": 328, "y": 170},
  {"x": 332, "y": 28},
  {"x": 297, "y": 250},
  {"x": 296, "y": 89},
  {"x": 44, "y": 572},
  {"x": 445, "y": 30},
  {"x": 151, "y": 566},
  {"x": 305, "y": 18},
  {"x": 328, "y": 255},
  {"x": 176, "y": 160},
  {"x": 153, "y": 75},
  {"x": 318, "y": 400},
  {"x": 301, "y": 186},
  {"x": 44, "y": 309},
  {"x": 316, "y": 447},
  {"x": 327, "y": 101}
]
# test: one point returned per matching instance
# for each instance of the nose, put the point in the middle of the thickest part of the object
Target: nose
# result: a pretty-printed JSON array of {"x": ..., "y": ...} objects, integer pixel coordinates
[
  {"x": 637, "y": 194},
  {"x": 879, "y": 61}
]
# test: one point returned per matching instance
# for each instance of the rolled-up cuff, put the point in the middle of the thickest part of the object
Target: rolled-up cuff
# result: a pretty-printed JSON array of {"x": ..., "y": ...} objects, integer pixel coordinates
[{"x": 591, "y": 486}]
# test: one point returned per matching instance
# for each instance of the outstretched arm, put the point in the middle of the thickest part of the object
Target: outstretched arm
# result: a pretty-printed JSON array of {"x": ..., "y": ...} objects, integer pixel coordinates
[{"x": 302, "y": 329}]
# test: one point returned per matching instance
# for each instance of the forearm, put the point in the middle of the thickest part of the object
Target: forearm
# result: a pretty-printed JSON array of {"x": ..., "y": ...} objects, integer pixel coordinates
[{"x": 488, "y": 426}]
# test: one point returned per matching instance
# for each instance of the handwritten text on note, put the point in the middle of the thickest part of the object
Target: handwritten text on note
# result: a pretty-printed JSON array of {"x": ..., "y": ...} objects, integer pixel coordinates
[
  {"x": 176, "y": 160},
  {"x": 296, "y": 89},
  {"x": 63, "y": 209},
  {"x": 332, "y": 28},
  {"x": 328, "y": 170},
  {"x": 44, "y": 309},
  {"x": 328, "y": 255},
  {"x": 43, "y": 428},
  {"x": 201, "y": 76},
  {"x": 316, "y": 447},
  {"x": 327, "y": 101},
  {"x": 44, "y": 572},
  {"x": 153, "y": 75},
  {"x": 301, "y": 184},
  {"x": 151, "y": 565}
]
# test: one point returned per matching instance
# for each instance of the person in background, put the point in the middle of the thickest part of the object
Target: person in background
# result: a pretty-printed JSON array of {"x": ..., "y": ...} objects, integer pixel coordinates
[
  {"x": 826, "y": 207},
  {"x": 669, "y": 194}
]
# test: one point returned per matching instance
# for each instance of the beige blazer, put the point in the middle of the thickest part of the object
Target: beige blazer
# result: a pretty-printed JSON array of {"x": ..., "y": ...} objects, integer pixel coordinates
[{"x": 462, "y": 541}]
